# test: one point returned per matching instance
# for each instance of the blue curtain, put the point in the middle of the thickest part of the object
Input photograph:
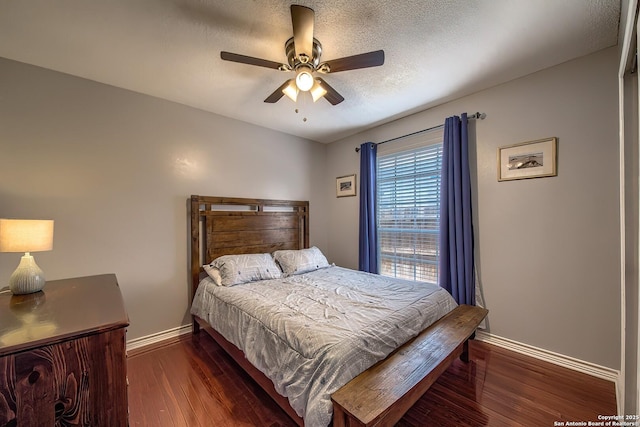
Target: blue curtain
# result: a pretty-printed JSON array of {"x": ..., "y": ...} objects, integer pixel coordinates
[
  {"x": 368, "y": 248},
  {"x": 456, "y": 267}
]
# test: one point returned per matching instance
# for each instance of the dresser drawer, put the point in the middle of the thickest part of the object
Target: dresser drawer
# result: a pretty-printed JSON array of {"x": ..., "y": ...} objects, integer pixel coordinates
[{"x": 62, "y": 368}]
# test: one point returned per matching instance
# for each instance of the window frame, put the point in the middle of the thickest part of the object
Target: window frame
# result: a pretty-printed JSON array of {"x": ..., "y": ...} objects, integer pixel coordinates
[{"x": 426, "y": 146}]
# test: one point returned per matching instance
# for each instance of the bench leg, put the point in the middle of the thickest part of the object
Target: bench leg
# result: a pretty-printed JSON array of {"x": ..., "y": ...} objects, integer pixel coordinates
[
  {"x": 465, "y": 352},
  {"x": 465, "y": 349},
  {"x": 342, "y": 419},
  {"x": 338, "y": 417}
]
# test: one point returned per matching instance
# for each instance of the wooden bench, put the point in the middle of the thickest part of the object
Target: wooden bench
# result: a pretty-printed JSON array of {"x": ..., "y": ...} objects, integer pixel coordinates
[{"x": 382, "y": 394}]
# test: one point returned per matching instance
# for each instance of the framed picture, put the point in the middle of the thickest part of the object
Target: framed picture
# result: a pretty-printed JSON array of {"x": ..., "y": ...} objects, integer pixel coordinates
[
  {"x": 346, "y": 186},
  {"x": 533, "y": 159}
]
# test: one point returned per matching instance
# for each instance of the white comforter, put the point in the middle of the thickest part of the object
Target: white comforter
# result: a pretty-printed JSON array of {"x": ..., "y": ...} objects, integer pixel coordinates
[{"x": 312, "y": 333}]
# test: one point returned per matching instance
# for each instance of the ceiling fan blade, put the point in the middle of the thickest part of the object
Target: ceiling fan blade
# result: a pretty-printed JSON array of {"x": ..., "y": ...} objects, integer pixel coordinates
[
  {"x": 364, "y": 60},
  {"x": 243, "y": 59},
  {"x": 302, "y": 19},
  {"x": 275, "y": 96},
  {"x": 332, "y": 95}
]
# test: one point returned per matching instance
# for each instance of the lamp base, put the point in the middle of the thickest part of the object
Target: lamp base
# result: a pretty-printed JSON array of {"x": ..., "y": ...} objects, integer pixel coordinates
[{"x": 28, "y": 277}]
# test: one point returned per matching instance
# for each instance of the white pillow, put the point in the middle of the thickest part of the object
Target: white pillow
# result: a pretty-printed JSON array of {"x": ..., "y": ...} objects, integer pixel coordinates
[
  {"x": 236, "y": 269},
  {"x": 300, "y": 261}
]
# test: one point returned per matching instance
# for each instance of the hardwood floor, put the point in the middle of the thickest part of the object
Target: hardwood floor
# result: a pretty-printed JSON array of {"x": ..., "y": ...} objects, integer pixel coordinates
[{"x": 192, "y": 382}]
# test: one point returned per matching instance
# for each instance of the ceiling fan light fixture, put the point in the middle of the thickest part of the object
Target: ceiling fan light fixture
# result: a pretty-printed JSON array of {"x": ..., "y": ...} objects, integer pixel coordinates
[
  {"x": 317, "y": 91},
  {"x": 303, "y": 53},
  {"x": 291, "y": 90},
  {"x": 304, "y": 80}
]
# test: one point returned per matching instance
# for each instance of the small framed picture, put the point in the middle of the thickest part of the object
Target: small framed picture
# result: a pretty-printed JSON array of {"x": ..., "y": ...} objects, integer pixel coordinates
[
  {"x": 346, "y": 186},
  {"x": 533, "y": 159}
]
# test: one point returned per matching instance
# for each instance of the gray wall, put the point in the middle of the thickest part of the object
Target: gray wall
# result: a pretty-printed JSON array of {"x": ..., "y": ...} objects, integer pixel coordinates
[
  {"x": 547, "y": 249},
  {"x": 114, "y": 170}
]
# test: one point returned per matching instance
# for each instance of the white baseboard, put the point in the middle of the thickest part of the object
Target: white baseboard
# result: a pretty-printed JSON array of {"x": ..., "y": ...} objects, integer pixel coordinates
[
  {"x": 551, "y": 357},
  {"x": 158, "y": 337}
]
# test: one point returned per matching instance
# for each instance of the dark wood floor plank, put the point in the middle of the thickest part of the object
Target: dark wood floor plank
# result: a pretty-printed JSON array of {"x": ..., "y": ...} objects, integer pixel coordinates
[
  {"x": 233, "y": 396},
  {"x": 146, "y": 397},
  {"x": 193, "y": 382},
  {"x": 247, "y": 393},
  {"x": 170, "y": 412},
  {"x": 559, "y": 393},
  {"x": 188, "y": 407}
]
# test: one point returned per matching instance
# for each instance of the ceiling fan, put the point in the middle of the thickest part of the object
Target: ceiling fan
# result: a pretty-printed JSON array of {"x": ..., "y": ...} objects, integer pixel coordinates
[{"x": 303, "y": 57}]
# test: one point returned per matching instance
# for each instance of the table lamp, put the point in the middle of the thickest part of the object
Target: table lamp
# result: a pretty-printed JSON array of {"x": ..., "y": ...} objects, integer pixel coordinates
[{"x": 26, "y": 235}]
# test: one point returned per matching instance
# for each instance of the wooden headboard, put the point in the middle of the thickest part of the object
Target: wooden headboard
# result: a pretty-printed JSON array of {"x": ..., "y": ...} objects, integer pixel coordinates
[{"x": 229, "y": 225}]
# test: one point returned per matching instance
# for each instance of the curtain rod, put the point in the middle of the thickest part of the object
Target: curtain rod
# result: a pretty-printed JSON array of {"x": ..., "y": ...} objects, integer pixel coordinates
[{"x": 476, "y": 116}]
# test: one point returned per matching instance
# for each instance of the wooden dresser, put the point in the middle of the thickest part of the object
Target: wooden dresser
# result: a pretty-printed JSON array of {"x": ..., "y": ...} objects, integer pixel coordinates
[{"x": 63, "y": 355}]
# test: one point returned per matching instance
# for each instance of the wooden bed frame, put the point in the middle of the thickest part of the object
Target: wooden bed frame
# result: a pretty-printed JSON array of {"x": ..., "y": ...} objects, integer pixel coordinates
[
  {"x": 231, "y": 226},
  {"x": 380, "y": 395}
]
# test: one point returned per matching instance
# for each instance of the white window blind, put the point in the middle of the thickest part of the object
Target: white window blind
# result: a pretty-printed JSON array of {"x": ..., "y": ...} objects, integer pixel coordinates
[{"x": 408, "y": 215}]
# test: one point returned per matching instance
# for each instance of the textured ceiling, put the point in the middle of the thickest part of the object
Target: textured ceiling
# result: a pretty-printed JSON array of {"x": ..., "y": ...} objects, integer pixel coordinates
[{"x": 436, "y": 50}]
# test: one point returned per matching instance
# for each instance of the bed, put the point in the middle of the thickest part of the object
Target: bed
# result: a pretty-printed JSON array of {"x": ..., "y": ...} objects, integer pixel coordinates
[{"x": 304, "y": 333}]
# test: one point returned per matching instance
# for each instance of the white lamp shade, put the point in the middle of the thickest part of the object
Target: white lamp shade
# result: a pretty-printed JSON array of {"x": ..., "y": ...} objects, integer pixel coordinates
[
  {"x": 291, "y": 90},
  {"x": 26, "y": 235},
  {"x": 317, "y": 91}
]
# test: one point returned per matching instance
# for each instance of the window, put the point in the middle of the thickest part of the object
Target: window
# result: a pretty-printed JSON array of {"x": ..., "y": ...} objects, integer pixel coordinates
[{"x": 408, "y": 214}]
